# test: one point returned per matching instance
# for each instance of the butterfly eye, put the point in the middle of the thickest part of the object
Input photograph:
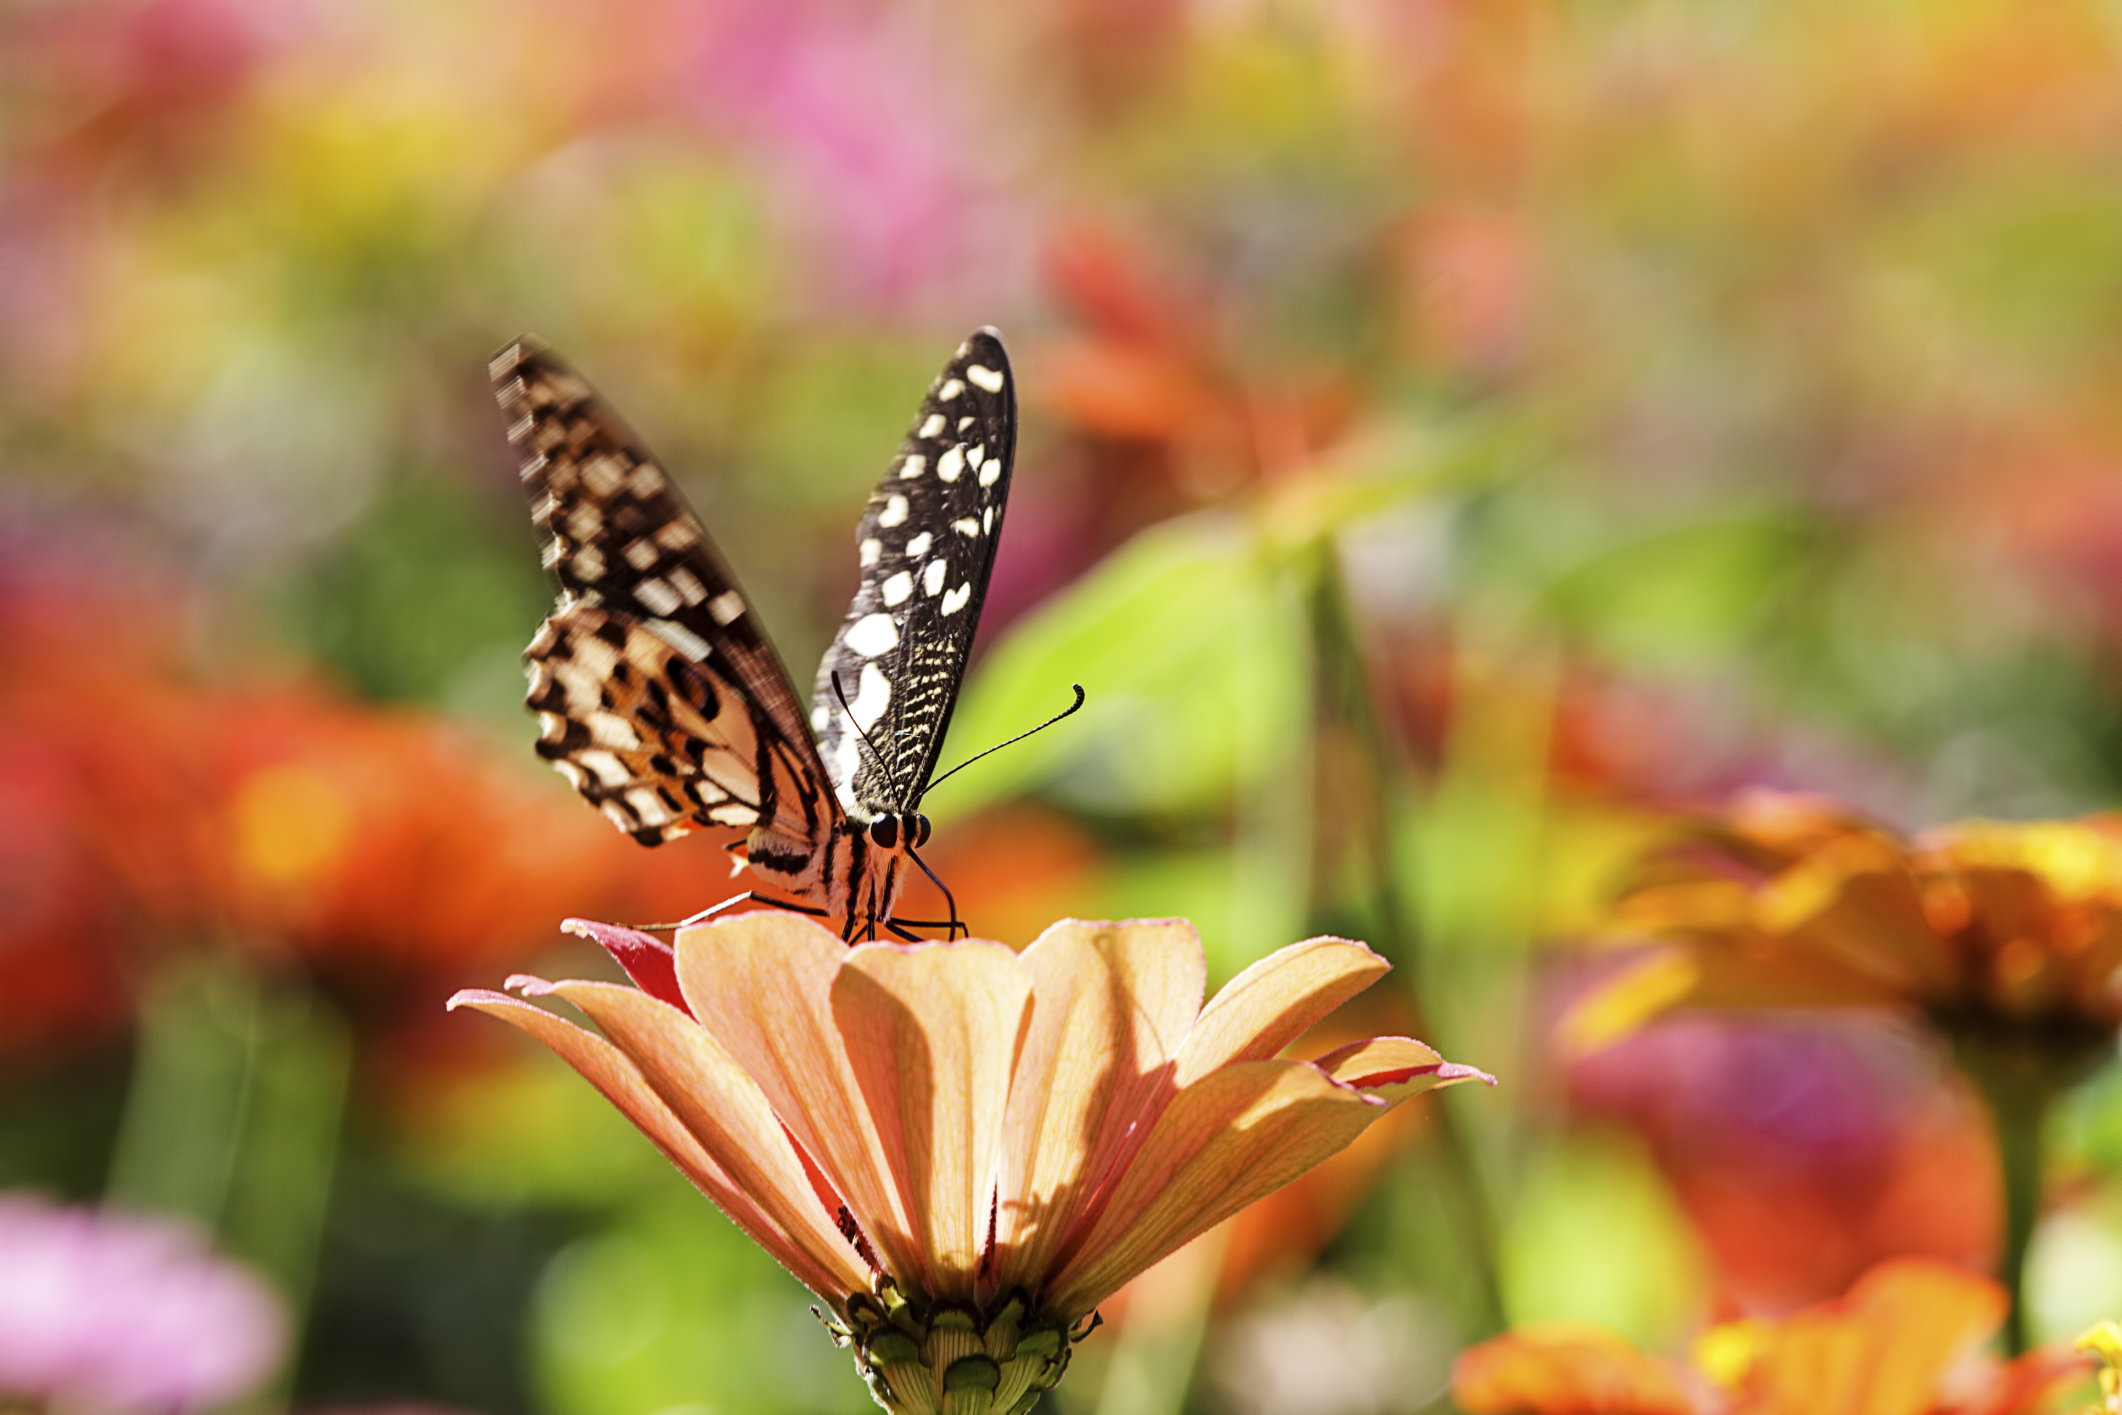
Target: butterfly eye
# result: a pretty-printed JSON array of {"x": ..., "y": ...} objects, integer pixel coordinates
[
  {"x": 917, "y": 830},
  {"x": 884, "y": 832}
]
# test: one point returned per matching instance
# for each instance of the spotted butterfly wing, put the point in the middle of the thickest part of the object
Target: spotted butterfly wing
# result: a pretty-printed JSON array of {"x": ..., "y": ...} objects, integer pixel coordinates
[
  {"x": 657, "y": 694},
  {"x": 926, "y": 545}
]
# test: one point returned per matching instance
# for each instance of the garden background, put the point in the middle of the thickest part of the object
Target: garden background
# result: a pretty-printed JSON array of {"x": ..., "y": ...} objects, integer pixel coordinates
[{"x": 1458, "y": 440}]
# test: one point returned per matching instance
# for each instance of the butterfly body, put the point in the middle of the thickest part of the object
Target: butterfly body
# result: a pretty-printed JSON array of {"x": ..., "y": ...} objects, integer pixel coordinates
[{"x": 663, "y": 702}]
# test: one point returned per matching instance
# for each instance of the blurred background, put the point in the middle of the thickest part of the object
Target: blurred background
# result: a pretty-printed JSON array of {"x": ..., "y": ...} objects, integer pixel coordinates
[{"x": 1456, "y": 436}]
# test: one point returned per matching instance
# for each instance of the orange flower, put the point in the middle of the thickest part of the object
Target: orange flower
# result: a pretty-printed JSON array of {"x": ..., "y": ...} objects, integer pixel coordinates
[
  {"x": 1565, "y": 1368},
  {"x": 1882, "y": 1350},
  {"x": 1892, "y": 1346},
  {"x": 1985, "y": 927},
  {"x": 2005, "y": 938},
  {"x": 961, "y": 1150}
]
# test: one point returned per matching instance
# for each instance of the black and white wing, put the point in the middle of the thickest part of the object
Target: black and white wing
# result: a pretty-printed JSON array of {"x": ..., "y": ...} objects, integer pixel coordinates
[
  {"x": 926, "y": 542},
  {"x": 657, "y": 694}
]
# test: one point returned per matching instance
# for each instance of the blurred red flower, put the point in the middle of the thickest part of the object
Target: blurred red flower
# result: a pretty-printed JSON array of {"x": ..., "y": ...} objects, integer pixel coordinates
[{"x": 385, "y": 855}]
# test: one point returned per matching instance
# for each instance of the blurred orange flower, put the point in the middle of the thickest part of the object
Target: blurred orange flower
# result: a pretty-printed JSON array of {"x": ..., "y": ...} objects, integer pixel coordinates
[
  {"x": 1994, "y": 932},
  {"x": 381, "y": 854},
  {"x": 962, "y": 1150},
  {"x": 1900, "y": 1343},
  {"x": 1885, "y": 1349},
  {"x": 1567, "y": 1369},
  {"x": 2006, "y": 939}
]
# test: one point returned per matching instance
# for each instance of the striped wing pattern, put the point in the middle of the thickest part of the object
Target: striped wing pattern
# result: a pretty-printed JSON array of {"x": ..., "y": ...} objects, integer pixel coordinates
[
  {"x": 926, "y": 545},
  {"x": 656, "y": 693}
]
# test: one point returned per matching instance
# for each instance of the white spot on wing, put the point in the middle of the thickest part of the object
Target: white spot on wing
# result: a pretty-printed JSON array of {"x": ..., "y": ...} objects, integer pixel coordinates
[
  {"x": 589, "y": 564},
  {"x": 898, "y": 589},
  {"x": 966, "y": 527},
  {"x": 682, "y": 639},
  {"x": 932, "y": 577},
  {"x": 649, "y": 806},
  {"x": 609, "y": 769},
  {"x": 608, "y": 729},
  {"x": 872, "y": 552},
  {"x": 951, "y": 389},
  {"x": 956, "y": 599},
  {"x": 872, "y": 700},
  {"x": 914, "y": 465},
  {"x": 987, "y": 519},
  {"x": 918, "y": 546},
  {"x": 872, "y": 634},
  {"x": 991, "y": 473},
  {"x": 951, "y": 463},
  {"x": 895, "y": 509},
  {"x": 964, "y": 423},
  {"x": 657, "y": 596},
  {"x": 688, "y": 584},
  {"x": 990, "y": 379},
  {"x": 642, "y": 553},
  {"x": 727, "y": 607},
  {"x": 977, "y": 455},
  {"x": 932, "y": 426}
]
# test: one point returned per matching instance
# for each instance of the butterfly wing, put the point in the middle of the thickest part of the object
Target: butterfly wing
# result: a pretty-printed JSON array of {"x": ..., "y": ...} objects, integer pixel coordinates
[
  {"x": 656, "y": 692},
  {"x": 926, "y": 544}
]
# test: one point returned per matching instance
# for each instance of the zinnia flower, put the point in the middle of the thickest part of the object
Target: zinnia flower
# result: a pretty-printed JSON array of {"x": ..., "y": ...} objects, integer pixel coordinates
[
  {"x": 963, "y": 1150},
  {"x": 2010, "y": 933},
  {"x": 2005, "y": 939},
  {"x": 111, "y": 1313}
]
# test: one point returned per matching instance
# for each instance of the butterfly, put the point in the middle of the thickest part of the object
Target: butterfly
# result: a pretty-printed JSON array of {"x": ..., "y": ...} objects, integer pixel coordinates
[{"x": 659, "y": 696}]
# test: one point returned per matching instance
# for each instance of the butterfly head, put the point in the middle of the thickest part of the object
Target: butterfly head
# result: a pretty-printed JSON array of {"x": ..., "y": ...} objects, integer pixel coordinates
[{"x": 888, "y": 831}]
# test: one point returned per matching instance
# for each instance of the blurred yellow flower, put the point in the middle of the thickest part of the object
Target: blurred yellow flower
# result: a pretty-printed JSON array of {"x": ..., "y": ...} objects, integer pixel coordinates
[
  {"x": 2105, "y": 1343},
  {"x": 963, "y": 1151}
]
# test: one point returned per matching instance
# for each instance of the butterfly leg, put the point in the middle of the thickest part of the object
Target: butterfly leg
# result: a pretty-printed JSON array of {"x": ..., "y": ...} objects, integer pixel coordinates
[{"x": 955, "y": 924}]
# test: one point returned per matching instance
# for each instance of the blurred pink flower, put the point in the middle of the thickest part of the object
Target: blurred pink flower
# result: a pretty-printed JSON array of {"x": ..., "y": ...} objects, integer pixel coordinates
[
  {"x": 106, "y": 1312},
  {"x": 858, "y": 120}
]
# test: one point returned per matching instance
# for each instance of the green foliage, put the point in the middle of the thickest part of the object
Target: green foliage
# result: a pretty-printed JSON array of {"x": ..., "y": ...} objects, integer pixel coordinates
[{"x": 428, "y": 598}]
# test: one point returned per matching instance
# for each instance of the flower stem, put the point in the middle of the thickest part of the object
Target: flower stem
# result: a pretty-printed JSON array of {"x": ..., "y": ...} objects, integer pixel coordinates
[
  {"x": 1347, "y": 712},
  {"x": 2021, "y": 1072}
]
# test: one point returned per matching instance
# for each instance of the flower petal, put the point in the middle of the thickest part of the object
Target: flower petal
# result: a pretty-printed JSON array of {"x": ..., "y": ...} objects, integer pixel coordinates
[
  {"x": 1111, "y": 1005},
  {"x": 1882, "y": 1349},
  {"x": 761, "y": 983},
  {"x": 1234, "y": 1136},
  {"x": 1395, "y": 1069},
  {"x": 1275, "y": 1001},
  {"x": 648, "y": 960},
  {"x": 621, "y": 1082},
  {"x": 932, "y": 1032},
  {"x": 725, "y": 1111},
  {"x": 1565, "y": 1369}
]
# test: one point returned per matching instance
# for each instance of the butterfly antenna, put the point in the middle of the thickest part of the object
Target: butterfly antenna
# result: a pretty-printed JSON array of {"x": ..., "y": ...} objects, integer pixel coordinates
[
  {"x": 1000, "y": 745},
  {"x": 860, "y": 731},
  {"x": 955, "y": 923}
]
